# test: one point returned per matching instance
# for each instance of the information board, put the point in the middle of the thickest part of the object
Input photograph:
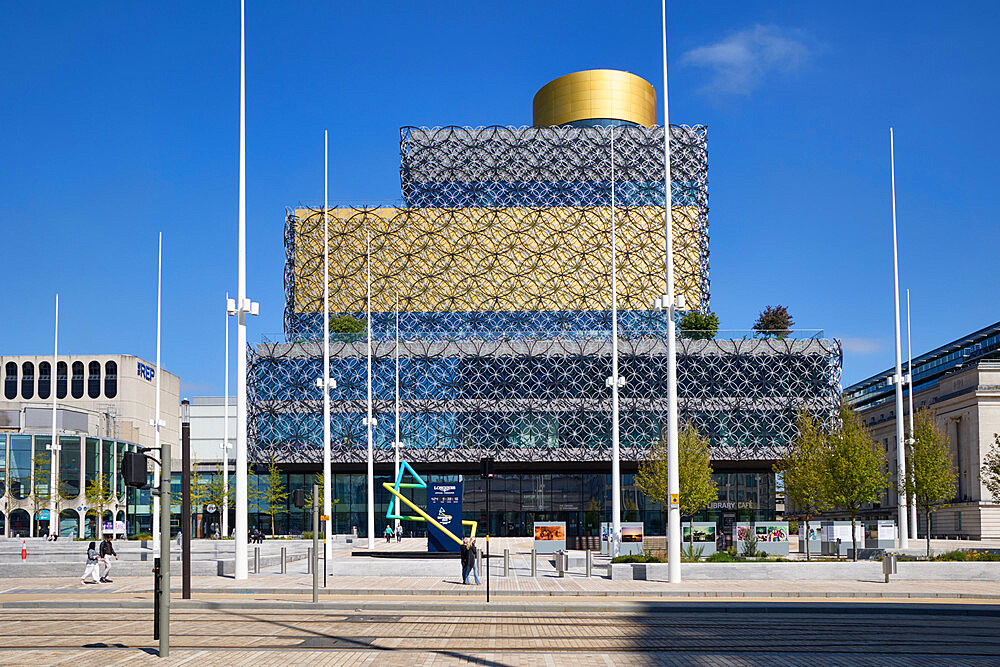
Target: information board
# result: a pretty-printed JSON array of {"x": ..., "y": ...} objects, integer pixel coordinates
[
  {"x": 444, "y": 504},
  {"x": 550, "y": 536}
]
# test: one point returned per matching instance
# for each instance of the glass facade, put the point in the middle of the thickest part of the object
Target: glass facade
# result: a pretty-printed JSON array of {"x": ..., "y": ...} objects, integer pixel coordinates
[
  {"x": 20, "y": 466},
  {"x": 3, "y": 464},
  {"x": 69, "y": 467}
]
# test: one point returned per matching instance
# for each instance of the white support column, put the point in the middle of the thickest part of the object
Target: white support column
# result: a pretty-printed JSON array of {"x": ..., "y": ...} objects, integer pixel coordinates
[
  {"x": 673, "y": 483},
  {"x": 614, "y": 381},
  {"x": 54, "y": 445},
  {"x": 909, "y": 380},
  {"x": 230, "y": 311},
  {"x": 370, "y": 420},
  {"x": 156, "y": 422},
  {"x": 327, "y": 492},
  {"x": 903, "y": 512}
]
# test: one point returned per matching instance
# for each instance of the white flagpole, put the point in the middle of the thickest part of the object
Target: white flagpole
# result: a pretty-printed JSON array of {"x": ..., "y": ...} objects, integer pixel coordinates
[
  {"x": 327, "y": 493},
  {"x": 613, "y": 380},
  {"x": 370, "y": 421},
  {"x": 243, "y": 308},
  {"x": 54, "y": 445},
  {"x": 225, "y": 440},
  {"x": 673, "y": 482},
  {"x": 909, "y": 374},
  {"x": 396, "y": 469},
  {"x": 157, "y": 422},
  {"x": 904, "y": 532}
]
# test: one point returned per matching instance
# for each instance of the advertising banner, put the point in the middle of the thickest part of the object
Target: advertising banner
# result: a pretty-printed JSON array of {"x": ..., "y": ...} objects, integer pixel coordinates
[
  {"x": 444, "y": 504},
  {"x": 772, "y": 536},
  {"x": 632, "y": 538},
  {"x": 550, "y": 536},
  {"x": 706, "y": 537}
]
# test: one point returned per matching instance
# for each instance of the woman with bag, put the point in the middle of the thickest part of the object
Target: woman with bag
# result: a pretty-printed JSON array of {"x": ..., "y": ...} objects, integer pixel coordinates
[{"x": 93, "y": 558}]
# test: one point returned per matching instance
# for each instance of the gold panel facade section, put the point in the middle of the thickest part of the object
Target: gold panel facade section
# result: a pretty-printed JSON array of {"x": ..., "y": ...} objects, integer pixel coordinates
[
  {"x": 596, "y": 93},
  {"x": 490, "y": 259}
]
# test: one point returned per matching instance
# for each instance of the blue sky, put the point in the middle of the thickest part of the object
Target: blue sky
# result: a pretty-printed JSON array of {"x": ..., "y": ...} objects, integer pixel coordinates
[{"x": 120, "y": 120}]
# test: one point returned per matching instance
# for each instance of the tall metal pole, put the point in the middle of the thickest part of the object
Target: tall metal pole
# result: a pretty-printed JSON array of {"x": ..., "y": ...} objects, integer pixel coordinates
[
  {"x": 186, "y": 499},
  {"x": 397, "y": 443},
  {"x": 242, "y": 504},
  {"x": 164, "y": 497},
  {"x": 614, "y": 381},
  {"x": 327, "y": 493},
  {"x": 54, "y": 444},
  {"x": 225, "y": 442},
  {"x": 370, "y": 422},
  {"x": 673, "y": 483},
  {"x": 897, "y": 378},
  {"x": 156, "y": 422},
  {"x": 909, "y": 375},
  {"x": 314, "y": 565}
]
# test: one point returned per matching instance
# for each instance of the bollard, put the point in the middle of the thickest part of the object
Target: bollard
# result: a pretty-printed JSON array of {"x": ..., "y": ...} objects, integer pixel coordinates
[
  {"x": 309, "y": 560},
  {"x": 888, "y": 565},
  {"x": 506, "y": 562},
  {"x": 560, "y": 564},
  {"x": 590, "y": 562},
  {"x": 282, "y": 560},
  {"x": 534, "y": 562},
  {"x": 256, "y": 560}
]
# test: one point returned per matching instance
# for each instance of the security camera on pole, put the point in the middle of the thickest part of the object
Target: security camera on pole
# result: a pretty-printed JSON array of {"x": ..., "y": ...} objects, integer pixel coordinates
[{"x": 243, "y": 307}]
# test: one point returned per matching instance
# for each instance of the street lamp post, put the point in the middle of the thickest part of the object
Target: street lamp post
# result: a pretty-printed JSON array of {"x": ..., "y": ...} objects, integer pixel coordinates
[
  {"x": 897, "y": 378},
  {"x": 670, "y": 302},
  {"x": 54, "y": 444},
  {"x": 614, "y": 380},
  {"x": 370, "y": 420},
  {"x": 397, "y": 443},
  {"x": 156, "y": 422},
  {"x": 324, "y": 383},
  {"x": 225, "y": 446},
  {"x": 244, "y": 307},
  {"x": 909, "y": 381},
  {"x": 186, "y": 499}
]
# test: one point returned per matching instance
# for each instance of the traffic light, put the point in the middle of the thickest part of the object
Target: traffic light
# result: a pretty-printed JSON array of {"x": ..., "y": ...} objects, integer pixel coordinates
[
  {"x": 486, "y": 467},
  {"x": 299, "y": 498},
  {"x": 134, "y": 469}
]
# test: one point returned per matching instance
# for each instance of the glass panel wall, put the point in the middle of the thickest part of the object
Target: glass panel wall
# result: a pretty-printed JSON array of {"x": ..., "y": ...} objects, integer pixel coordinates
[
  {"x": 20, "y": 466},
  {"x": 108, "y": 466},
  {"x": 91, "y": 461},
  {"x": 69, "y": 467},
  {"x": 43, "y": 466},
  {"x": 3, "y": 464},
  {"x": 119, "y": 479}
]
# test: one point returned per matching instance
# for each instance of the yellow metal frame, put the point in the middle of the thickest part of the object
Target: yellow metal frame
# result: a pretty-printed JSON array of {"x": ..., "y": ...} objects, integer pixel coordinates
[{"x": 423, "y": 516}]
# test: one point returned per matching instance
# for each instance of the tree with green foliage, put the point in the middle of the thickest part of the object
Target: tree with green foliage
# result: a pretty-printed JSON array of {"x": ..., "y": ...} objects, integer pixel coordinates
[
  {"x": 802, "y": 471},
  {"x": 41, "y": 491},
  {"x": 96, "y": 494},
  {"x": 931, "y": 476},
  {"x": 275, "y": 495},
  {"x": 774, "y": 321},
  {"x": 991, "y": 469},
  {"x": 698, "y": 326},
  {"x": 696, "y": 486},
  {"x": 212, "y": 489},
  {"x": 855, "y": 468},
  {"x": 345, "y": 324}
]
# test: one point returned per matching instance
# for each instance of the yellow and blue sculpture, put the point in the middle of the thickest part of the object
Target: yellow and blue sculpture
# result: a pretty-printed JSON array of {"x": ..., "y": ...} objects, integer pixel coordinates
[{"x": 422, "y": 515}]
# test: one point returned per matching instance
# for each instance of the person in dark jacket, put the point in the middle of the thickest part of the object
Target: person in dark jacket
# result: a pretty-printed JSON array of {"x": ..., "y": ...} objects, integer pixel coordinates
[
  {"x": 106, "y": 552},
  {"x": 93, "y": 558},
  {"x": 464, "y": 554}
]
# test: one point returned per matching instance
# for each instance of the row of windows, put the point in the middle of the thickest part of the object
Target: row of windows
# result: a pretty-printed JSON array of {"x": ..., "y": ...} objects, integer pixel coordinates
[
  {"x": 82, "y": 462},
  {"x": 76, "y": 384}
]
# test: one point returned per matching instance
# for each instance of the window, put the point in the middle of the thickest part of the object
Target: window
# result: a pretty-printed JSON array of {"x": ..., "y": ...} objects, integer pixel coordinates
[
  {"x": 44, "y": 379},
  {"x": 61, "y": 379},
  {"x": 10, "y": 381},
  {"x": 27, "y": 380},
  {"x": 77, "y": 388},
  {"x": 110, "y": 379},
  {"x": 94, "y": 379},
  {"x": 69, "y": 466},
  {"x": 91, "y": 461},
  {"x": 20, "y": 466}
]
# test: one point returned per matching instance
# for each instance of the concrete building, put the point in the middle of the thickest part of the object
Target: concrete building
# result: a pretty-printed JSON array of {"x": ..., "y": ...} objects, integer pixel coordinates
[
  {"x": 104, "y": 406},
  {"x": 960, "y": 382}
]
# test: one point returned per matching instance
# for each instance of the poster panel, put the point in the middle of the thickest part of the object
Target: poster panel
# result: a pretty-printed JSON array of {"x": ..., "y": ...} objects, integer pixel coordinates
[
  {"x": 444, "y": 504},
  {"x": 550, "y": 536},
  {"x": 632, "y": 538}
]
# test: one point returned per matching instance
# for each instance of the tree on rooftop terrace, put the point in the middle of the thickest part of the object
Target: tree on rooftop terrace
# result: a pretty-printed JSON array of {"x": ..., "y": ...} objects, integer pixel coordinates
[
  {"x": 698, "y": 326},
  {"x": 345, "y": 324},
  {"x": 930, "y": 472},
  {"x": 774, "y": 321}
]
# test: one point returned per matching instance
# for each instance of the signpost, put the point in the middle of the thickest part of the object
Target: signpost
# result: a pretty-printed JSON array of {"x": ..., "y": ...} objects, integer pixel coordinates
[{"x": 487, "y": 474}]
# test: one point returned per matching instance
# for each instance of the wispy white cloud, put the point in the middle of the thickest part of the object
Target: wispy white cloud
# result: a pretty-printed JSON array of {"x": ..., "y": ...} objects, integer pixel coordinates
[
  {"x": 191, "y": 388},
  {"x": 861, "y": 345},
  {"x": 741, "y": 61}
]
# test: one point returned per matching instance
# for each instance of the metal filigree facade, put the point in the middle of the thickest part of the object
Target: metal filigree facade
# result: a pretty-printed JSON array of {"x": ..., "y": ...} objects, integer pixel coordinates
[
  {"x": 508, "y": 229},
  {"x": 536, "y": 398}
]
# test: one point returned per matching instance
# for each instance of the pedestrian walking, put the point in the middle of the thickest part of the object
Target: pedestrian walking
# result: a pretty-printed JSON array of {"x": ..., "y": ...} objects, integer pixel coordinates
[
  {"x": 473, "y": 561},
  {"x": 105, "y": 553},
  {"x": 388, "y": 533},
  {"x": 399, "y": 532},
  {"x": 464, "y": 556},
  {"x": 91, "y": 570}
]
